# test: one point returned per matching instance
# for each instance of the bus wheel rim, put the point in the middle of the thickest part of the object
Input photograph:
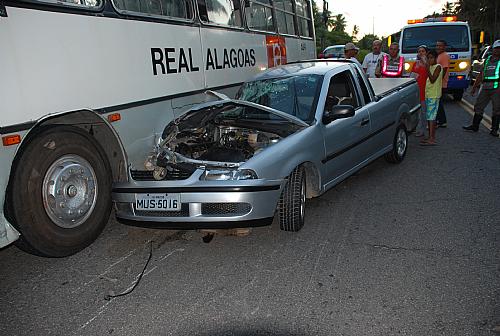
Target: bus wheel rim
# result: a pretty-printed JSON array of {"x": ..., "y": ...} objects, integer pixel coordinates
[{"x": 69, "y": 191}]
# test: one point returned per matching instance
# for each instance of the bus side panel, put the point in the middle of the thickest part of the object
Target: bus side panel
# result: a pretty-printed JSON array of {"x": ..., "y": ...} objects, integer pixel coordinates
[
  {"x": 7, "y": 232},
  {"x": 69, "y": 62},
  {"x": 300, "y": 49},
  {"x": 231, "y": 57}
]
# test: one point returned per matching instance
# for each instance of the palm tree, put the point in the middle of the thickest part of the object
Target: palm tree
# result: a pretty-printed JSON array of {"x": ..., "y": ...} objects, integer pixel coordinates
[
  {"x": 339, "y": 23},
  {"x": 448, "y": 8},
  {"x": 355, "y": 32}
]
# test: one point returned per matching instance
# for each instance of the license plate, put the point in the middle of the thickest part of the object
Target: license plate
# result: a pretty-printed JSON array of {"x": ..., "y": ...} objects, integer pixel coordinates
[{"x": 158, "y": 202}]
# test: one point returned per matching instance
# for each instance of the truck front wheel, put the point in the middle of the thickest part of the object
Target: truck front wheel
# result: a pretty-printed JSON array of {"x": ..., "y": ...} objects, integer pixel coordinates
[
  {"x": 292, "y": 203},
  {"x": 60, "y": 194}
]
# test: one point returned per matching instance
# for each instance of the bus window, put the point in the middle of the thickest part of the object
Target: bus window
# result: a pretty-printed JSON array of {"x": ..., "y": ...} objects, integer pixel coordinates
[
  {"x": 223, "y": 12},
  {"x": 304, "y": 18},
  {"x": 284, "y": 16},
  {"x": 167, "y": 8},
  {"x": 259, "y": 15},
  {"x": 78, "y": 3}
]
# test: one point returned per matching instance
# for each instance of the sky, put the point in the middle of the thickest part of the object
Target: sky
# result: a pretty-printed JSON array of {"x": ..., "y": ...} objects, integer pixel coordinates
[{"x": 387, "y": 17}]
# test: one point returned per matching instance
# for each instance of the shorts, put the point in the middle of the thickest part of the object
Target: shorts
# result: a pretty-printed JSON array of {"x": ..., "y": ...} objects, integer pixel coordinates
[{"x": 431, "y": 108}]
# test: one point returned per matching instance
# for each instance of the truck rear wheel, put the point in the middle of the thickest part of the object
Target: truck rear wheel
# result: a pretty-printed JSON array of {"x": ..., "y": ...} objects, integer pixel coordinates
[
  {"x": 60, "y": 195},
  {"x": 399, "y": 146},
  {"x": 292, "y": 203}
]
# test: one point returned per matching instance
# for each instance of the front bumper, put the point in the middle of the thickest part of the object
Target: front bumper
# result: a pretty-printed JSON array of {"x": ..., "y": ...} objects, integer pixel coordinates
[{"x": 204, "y": 204}]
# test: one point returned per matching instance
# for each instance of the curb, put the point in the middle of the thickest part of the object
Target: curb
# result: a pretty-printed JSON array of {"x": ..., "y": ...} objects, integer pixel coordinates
[{"x": 470, "y": 109}]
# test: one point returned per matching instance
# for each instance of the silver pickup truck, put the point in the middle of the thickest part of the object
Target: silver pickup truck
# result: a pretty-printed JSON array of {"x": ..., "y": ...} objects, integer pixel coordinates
[{"x": 292, "y": 133}]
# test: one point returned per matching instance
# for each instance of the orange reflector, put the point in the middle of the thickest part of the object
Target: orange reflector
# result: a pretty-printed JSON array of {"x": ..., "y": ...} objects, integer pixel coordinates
[
  {"x": 10, "y": 140},
  {"x": 114, "y": 117},
  {"x": 460, "y": 77}
]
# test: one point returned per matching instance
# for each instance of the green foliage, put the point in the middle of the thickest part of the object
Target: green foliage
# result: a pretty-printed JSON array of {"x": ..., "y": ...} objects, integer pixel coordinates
[
  {"x": 482, "y": 15},
  {"x": 326, "y": 37},
  {"x": 362, "y": 53},
  {"x": 366, "y": 41}
]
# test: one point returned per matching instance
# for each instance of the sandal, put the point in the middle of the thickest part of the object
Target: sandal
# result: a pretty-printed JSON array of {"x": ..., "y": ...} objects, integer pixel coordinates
[{"x": 427, "y": 143}]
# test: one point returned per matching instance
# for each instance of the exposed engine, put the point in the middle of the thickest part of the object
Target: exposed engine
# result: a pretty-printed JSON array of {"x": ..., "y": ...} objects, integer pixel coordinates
[
  {"x": 215, "y": 137},
  {"x": 221, "y": 143}
]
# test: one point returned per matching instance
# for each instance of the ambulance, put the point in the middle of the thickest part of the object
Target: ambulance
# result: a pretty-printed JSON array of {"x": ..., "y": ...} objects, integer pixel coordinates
[{"x": 459, "y": 47}]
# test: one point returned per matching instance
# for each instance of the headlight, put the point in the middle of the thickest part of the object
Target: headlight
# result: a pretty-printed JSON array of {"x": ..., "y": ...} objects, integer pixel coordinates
[
  {"x": 228, "y": 175},
  {"x": 463, "y": 65},
  {"x": 407, "y": 66}
]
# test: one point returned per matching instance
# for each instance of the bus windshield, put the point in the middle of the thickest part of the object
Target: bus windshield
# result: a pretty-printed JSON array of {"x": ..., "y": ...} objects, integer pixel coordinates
[
  {"x": 456, "y": 37},
  {"x": 294, "y": 95}
]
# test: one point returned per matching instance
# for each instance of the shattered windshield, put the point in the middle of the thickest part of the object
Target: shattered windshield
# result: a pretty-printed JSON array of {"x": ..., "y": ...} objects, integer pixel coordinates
[{"x": 294, "y": 95}]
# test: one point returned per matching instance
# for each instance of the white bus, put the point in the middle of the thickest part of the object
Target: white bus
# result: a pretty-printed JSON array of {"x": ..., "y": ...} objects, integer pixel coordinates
[
  {"x": 457, "y": 36},
  {"x": 86, "y": 85}
]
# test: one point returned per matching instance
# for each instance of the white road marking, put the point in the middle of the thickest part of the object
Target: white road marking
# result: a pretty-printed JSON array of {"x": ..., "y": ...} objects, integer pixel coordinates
[{"x": 104, "y": 307}]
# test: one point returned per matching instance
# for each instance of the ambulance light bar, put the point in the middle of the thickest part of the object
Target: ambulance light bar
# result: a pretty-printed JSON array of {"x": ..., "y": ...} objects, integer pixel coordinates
[{"x": 434, "y": 19}]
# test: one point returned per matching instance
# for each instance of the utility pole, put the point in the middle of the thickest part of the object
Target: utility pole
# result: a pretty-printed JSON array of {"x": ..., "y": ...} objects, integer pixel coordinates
[
  {"x": 325, "y": 13},
  {"x": 495, "y": 24}
]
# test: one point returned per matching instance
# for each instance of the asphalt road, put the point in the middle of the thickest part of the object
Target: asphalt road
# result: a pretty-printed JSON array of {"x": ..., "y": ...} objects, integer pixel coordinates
[
  {"x": 472, "y": 100},
  {"x": 409, "y": 249}
]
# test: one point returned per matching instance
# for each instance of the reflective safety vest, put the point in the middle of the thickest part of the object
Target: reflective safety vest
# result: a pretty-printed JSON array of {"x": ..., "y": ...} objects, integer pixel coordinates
[
  {"x": 394, "y": 70},
  {"x": 496, "y": 76}
]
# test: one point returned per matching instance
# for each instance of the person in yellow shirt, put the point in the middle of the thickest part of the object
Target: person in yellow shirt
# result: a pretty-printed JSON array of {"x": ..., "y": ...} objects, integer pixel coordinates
[{"x": 433, "y": 93}]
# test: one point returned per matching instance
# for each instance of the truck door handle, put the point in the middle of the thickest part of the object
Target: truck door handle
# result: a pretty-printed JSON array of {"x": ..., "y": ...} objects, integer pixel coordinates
[{"x": 364, "y": 121}]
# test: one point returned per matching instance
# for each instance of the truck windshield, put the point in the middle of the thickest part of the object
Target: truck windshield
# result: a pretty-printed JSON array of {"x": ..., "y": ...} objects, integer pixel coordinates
[
  {"x": 294, "y": 95},
  {"x": 456, "y": 37}
]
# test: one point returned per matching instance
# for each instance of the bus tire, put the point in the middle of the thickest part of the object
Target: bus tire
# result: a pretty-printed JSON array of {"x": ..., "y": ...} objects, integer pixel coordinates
[
  {"x": 60, "y": 194},
  {"x": 399, "y": 145}
]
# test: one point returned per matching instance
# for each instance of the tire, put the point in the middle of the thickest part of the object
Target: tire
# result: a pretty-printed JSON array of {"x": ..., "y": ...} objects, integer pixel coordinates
[
  {"x": 399, "y": 145},
  {"x": 457, "y": 95},
  {"x": 292, "y": 202},
  {"x": 60, "y": 192}
]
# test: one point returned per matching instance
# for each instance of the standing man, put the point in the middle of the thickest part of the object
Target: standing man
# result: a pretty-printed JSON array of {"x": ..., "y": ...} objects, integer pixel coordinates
[
  {"x": 371, "y": 60},
  {"x": 350, "y": 51},
  {"x": 391, "y": 65},
  {"x": 444, "y": 60},
  {"x": 490, "y": 78}
]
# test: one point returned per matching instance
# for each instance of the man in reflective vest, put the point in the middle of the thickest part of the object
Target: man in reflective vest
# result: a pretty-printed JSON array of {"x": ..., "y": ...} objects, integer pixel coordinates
[
  {"x": 489, "y": 77},
  {"x": 391, "y": 65}
]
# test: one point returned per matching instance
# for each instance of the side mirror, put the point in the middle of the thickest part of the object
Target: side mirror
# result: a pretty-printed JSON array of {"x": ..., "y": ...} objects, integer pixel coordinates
[{"x": 338, "y": 112}]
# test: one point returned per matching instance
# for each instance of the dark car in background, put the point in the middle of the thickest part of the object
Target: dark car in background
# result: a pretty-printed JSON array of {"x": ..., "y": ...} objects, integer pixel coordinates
[{"x": 478, "y": 63}]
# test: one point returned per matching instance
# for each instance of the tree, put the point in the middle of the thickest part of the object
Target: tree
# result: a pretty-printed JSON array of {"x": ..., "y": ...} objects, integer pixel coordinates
[
  {"x": 448, "y": 9},
  {"x": 355, "y": 32},
  {"x": 367, "y": 41},
  {"x": 339, "y": 23},
  {"x": 482, "y": 15},
  {"x": 324, "y": 36}
]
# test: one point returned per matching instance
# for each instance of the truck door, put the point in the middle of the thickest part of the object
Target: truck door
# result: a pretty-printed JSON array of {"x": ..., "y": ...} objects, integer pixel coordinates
[{"x": 344, "y": 139}]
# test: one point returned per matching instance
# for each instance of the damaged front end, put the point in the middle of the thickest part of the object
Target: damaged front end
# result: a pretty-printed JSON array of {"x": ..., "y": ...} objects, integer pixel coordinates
[{"x": 219, "y": 137}]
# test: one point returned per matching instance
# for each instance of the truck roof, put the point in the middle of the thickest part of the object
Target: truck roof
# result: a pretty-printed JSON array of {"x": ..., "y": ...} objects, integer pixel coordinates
[{"x": 435, "y": 23}]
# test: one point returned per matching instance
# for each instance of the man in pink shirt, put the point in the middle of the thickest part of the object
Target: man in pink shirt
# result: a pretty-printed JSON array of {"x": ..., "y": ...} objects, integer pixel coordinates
[{"x": 443, "y": 59}]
